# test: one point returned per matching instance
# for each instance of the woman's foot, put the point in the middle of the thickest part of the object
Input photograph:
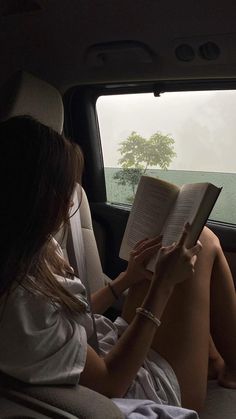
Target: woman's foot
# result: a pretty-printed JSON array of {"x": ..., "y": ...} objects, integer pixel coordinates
[
  {"x": 215, "y": 367},
  {"x": 216, "y": 362},
  {"x": 227, "y": 378}
]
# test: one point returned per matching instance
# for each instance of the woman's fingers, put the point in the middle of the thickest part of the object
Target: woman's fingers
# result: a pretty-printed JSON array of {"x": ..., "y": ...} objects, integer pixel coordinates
[
  {"x": 146, "y": 248},
  {"x": 148, "y": 274},
  {"x": 193, "y": 260},
  {"x": 170, "y": 247},
  {"x": 147, "y": 253},
  {"x": 193, "y": 251},
  {"x": 139, "y": 244},
  {"x": 145, "y": 243},
  {"x": 183, "y": 235}
]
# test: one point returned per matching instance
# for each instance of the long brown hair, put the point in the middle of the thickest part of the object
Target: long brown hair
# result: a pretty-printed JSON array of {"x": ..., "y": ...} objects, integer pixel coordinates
[{"x": 38, "y": 171}]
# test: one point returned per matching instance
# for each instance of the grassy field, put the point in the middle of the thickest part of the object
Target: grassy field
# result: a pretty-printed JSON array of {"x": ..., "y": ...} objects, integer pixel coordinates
[{"x": 225, "y": 208}]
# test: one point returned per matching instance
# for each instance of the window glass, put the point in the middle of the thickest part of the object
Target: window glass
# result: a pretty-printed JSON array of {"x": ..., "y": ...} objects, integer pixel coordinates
[{"x": 194, "y": 133}]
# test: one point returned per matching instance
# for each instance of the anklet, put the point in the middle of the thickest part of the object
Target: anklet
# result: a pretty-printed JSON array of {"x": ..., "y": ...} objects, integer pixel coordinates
[{"x": 149, "y": 315}]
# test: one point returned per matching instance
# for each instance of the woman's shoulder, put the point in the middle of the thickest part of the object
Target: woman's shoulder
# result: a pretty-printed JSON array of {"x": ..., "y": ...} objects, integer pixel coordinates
[
  {"x": 72, "y": 283},
  {"x": 28, "y": 290},
  {"x": 24, "y": 297},
  {"x": 26, "y": 303}
]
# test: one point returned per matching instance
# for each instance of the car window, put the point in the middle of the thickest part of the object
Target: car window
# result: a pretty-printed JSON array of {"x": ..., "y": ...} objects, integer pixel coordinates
[{"x": 181, "y": 137}]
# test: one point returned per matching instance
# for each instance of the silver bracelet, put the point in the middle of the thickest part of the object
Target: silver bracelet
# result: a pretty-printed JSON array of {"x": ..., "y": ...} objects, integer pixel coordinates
[{"x": 149, "y": 315}]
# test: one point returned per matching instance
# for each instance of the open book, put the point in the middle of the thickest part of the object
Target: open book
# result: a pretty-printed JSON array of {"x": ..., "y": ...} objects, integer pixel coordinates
[{"x": 163, "y": 208}]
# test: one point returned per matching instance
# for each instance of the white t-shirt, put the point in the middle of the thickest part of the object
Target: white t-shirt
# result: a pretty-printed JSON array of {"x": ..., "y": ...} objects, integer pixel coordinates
[{"x": 41, "y": 343}]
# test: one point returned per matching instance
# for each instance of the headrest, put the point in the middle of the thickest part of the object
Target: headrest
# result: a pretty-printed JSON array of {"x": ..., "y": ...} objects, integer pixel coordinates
[{"x": 24, "y": 94}]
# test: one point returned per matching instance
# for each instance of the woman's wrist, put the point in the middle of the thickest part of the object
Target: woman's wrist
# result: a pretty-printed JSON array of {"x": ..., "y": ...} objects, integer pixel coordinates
[
  {"x": 157, "y": 297},
  {"x": 120, "y": 284}
]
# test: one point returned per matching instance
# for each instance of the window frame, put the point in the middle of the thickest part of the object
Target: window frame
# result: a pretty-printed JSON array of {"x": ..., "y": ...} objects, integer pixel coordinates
[{"x": 81, "y": 100}]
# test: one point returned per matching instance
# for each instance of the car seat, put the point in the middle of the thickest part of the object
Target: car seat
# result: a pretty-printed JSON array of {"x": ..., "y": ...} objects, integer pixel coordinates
[{"x": 24, "y": 94}]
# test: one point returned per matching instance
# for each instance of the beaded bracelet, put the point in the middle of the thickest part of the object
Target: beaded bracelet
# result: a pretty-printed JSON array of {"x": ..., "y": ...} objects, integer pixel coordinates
[
  {"x": 113, "y": 291},
  {"x": 149, "y": 315}
]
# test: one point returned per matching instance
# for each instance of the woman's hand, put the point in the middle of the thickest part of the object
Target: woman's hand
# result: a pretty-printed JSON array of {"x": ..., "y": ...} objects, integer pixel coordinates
[
  {"x": 176, "y": 263},
  {"x": 142, "y": 252},
  {"x": 136, "y": 271}
]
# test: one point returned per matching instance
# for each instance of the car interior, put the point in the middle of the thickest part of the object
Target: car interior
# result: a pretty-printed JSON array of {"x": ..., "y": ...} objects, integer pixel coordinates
[{"x": 67, "y": 64}]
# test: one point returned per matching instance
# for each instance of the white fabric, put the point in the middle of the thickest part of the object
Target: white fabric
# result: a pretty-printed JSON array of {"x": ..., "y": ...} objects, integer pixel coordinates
[
  {"x": 155, "y": 380},
  {"x": 39, "y": 342},
  {"x": 42, "y": 344},
  {"x": 140, "y": 409}
]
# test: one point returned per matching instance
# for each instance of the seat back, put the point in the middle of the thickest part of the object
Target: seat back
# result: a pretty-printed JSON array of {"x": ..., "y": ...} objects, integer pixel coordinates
[
  {"x": 95, "y": 275},
  {"x": 25, "y": 94}
]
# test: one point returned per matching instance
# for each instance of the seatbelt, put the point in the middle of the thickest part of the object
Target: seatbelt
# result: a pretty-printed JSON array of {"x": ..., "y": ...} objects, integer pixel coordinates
[{"x": 75, "y": 244}]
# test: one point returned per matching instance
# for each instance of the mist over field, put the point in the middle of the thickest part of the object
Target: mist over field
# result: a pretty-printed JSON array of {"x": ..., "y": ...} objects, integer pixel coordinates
[{"x": 203, "y": 126}]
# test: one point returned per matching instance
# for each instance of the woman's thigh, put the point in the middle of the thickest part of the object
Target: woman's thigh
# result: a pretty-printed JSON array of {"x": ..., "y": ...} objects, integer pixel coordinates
[{"x": 183, "y": 337}]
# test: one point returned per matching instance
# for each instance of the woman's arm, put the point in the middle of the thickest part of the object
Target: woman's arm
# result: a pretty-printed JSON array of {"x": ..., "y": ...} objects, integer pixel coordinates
[
  {"x": 102, "y": 299},
  {"x": 113, "y": 374}
]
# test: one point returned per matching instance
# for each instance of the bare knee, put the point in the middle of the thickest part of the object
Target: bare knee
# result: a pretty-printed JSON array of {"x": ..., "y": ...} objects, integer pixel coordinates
[{"x": 210, "y": 241}]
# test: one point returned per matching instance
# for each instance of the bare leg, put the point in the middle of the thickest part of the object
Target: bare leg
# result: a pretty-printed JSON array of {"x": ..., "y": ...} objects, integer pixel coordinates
[
  {"x": 216, "y": 362},
  {"x": 183, "y": 337},
  {"x": 223, "y": 319}
]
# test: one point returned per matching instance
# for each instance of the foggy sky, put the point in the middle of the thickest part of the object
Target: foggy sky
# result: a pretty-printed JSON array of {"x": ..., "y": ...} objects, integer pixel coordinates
[{"x": 203, "y": 125}]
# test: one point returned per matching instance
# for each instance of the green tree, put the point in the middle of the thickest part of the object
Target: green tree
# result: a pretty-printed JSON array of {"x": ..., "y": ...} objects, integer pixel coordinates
[
  {"x": 139, "y": 154},
  {"x": 130, "y": 176}
]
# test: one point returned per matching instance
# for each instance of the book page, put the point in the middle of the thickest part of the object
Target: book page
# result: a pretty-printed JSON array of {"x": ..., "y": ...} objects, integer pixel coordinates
[
  {"x": 152, "y": 204},
  {"x": 184, "y": 210}
]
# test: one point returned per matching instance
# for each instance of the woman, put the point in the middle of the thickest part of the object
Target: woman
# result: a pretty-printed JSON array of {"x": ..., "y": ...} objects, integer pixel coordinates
[{"x": 45, "y": 318}]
